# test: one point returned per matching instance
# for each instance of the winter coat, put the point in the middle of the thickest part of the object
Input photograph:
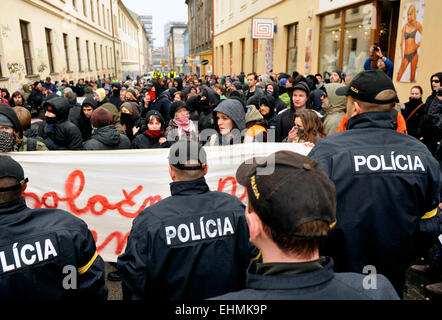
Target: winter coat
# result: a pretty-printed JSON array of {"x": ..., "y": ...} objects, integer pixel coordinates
[
  {"x": 65, "y": 135},
  {"x": 255, "y": 125},
  {"x": 84, "y": 124},
  {"x": 142, "y": 140},
  {"x": 416, "y": 118},
  {"x": 162, "y": 104},
  {"x": 206, "y": 120},
  {"x": 335, "y": 111},
  {"x": 115, "y": 96},
  {"x": 107, "y": 138}
]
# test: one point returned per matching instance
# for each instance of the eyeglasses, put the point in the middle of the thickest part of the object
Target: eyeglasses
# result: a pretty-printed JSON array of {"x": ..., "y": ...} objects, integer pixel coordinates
[{"x": 435, "y": 81}]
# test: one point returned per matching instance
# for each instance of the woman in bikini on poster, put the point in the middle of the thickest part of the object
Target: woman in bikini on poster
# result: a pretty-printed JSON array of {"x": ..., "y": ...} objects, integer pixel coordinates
[{"x": 409, "y": 51}]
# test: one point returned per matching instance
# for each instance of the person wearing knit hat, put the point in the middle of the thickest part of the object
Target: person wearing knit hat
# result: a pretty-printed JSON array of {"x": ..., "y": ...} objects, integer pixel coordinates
[
  {"x": 11, "y": 131},
  {"x": 180, "y": 126},
  {"x": 336, "y": 76},
  {"x": 105, "y": 136},
  {"x": 230, "y": 121},
  {"x": 100, "y": 94}
]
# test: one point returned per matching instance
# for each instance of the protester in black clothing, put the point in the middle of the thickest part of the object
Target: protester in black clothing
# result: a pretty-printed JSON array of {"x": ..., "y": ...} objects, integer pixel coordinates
[
  {"x": 152, "y": 134},
  {"x": 129, "y": 116},
  {"x": 104, "y": 135},
  {"x": 426, "y": 131},
  {"x": 88, "y": 106},
  {"x": 273, "y": 89},
  {"x": 115, "y": 96},
  {"x": 414, "y": 111},
  {"x": 57, "y": 132},
  {"x": 288, "y": 212}
]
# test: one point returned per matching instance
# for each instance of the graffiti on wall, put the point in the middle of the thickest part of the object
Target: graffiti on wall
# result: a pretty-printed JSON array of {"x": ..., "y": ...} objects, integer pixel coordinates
[
  {"x": 4, "y": 30},
  {"x": 15, "y": 68}
]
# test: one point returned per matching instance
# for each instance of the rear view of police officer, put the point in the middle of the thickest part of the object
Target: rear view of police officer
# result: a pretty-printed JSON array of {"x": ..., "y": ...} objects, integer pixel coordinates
[
  {"x": 387, "y": 184},
  {"x": 192, "y": 245},
  {"x": 45, "y": 254}
]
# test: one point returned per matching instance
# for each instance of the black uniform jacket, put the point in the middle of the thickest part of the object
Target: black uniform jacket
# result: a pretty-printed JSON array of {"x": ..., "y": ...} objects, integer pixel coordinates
[
  {"x": 47, "y": 254},
  {"x": 192, "y": 245},
  {"x": 387, "y": 188}
]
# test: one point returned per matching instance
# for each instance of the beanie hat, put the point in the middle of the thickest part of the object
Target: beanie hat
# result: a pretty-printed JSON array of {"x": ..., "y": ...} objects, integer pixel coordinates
[
  {"x": 283, "y": 82},
  {"x": 5, "y": 121},
  {"x": 101, "y": 117},
  {"x": 101, "y": 94},
  {"x": 175, "y": 106},
  {"x": 237, "y": 85},
  {"x": 9, "y": 118},
  {"x": 302, "y": 86}
]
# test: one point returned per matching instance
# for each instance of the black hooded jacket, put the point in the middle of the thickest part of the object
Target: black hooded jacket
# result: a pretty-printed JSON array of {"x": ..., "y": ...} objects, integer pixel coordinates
[
  {"x": 426, "y": 130},
  {"x": 143, "y": 141},
  {"x": 107, "y": 138},
  {"x": 84, "y": 124},
  {"x": 207, "y": 106},
  {"x": 162, "y": 105},
  {"x": 279, "y": 104},
  {"x": 65, "y": 135},
  {"x": 416, "y": 117},
  {"x": 270, "y": 119},
  {"x": 115, "y": 96}
]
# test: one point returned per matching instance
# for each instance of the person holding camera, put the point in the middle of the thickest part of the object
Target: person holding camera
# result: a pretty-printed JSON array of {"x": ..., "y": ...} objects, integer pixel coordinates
[{"x": 377, "y": 60}]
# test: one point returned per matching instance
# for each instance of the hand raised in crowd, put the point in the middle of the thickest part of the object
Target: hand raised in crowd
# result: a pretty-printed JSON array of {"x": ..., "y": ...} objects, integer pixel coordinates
[
  {"x": 292, "y": 134},
  {"x": 135, "y": 130},
  {"x": 162, "y": 140}
]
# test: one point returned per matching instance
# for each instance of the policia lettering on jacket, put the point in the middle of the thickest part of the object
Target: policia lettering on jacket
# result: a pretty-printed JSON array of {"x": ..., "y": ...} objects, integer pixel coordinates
[
  {"x": 367, "y": 163},
  {"x": 211, "y": 228}
]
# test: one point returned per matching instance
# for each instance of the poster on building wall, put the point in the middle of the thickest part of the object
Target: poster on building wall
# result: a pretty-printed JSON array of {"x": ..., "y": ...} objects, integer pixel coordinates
[
  {"x": 308, "y": 51},
  {"x": 268, "y": 56},
  {"x": 410, "y": 40}
]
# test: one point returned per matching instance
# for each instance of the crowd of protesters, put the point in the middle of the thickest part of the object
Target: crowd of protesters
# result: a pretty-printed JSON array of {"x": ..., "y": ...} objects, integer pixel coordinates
[{"x": 214, "y": 110}]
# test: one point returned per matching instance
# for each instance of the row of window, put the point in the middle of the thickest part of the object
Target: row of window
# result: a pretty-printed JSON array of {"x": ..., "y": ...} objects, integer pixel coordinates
[
  {"x": 291, "y": 54},
  {"x": 27, "y": 52}
]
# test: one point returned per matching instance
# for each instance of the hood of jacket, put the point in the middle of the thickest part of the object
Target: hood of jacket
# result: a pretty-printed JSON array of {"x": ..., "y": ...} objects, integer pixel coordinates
[
  {"x": 8, "y": 112},
  {"x": 335, "y": 103},
  {"x": 132, "y": 106},
  {"x": 253, "y": 114},
  {"x": 234, "y": 109},
  {"x": 155, "y": 113},
  {"x": 269, "y": 101},
  {"x": 60, "y": 107},
  {"x": 275, "y": 92},
  {"x": 212, "y": 98},
  {"x": 107, "y": 135}
]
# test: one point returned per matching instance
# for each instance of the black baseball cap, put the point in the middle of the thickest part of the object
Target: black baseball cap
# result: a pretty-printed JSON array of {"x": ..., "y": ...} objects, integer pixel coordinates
[
  {"x": 367, "y": 85},
  {"x": 298, "y": 191},
  {"x": 183, "y": 151},
  {"x": 11, "y": 168}
]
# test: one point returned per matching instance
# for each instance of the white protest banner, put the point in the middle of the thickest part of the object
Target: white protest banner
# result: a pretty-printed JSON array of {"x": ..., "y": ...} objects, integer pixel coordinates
[{"x": 107, "y": 189}]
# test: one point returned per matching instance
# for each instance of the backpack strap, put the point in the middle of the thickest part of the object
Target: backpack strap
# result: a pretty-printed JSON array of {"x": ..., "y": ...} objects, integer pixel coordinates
[
  {"x": 414, "y": 111},
  {"x": 394, "y": 114}
]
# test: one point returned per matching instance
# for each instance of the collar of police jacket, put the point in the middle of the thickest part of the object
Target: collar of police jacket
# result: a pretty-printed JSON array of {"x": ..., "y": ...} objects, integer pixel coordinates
[
  {"x": 371, "y": 120},
  {"x": 186, "y": 188},
  {"x": 13, "y": 206}
]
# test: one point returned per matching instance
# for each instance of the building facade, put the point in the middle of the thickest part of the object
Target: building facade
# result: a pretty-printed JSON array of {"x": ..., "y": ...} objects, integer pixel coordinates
[
  {"x": 318, "y": 36},
  {"x": 67, "y": 39},
  {"x": 175, "y": 45},
  {"x": 200, "y": 36}
]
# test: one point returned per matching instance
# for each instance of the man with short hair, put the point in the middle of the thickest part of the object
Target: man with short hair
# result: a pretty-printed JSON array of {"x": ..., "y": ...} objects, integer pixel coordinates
[
  {"x": 48, "y": 85},
  {"x": 46, "y": 254},
  {"x": 254, "y": 93},
  {"x": 387, "y": 184},
  {"x": 284, "y": 121},
  {"x": 192, "y": 245},
  {"x": 288, "y": 213}
]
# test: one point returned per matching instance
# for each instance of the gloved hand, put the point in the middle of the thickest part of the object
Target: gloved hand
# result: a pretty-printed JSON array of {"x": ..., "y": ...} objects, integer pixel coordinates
[
  {"x": 50, "y": 128},
  {"x": 50, "y": 144}
]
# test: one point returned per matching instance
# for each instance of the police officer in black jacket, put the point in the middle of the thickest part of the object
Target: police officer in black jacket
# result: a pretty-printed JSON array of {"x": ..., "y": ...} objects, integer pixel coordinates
[
  {"x": 288, "y": 212},
  {"x": 387, "y": 184},
  {"x": 192, "y": 245},
  {"x": 45, "y": 254}
]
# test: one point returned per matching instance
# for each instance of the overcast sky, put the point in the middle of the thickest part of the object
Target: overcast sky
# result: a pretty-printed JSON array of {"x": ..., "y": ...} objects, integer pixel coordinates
[{"x": 161, "y": 11}]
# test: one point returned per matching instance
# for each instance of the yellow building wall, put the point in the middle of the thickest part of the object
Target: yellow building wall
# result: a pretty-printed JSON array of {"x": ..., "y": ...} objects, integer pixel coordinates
[
  {"x": 430, "y": 61},
  {"x": 284, "y": 13},
  {"x": 292, "y": 11}
]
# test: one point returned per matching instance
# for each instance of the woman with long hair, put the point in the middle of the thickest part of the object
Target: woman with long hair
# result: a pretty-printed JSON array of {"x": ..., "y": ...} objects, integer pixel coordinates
[
  {"x": 409, "y": 46},
  {"x": 307, "y": 127}
]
